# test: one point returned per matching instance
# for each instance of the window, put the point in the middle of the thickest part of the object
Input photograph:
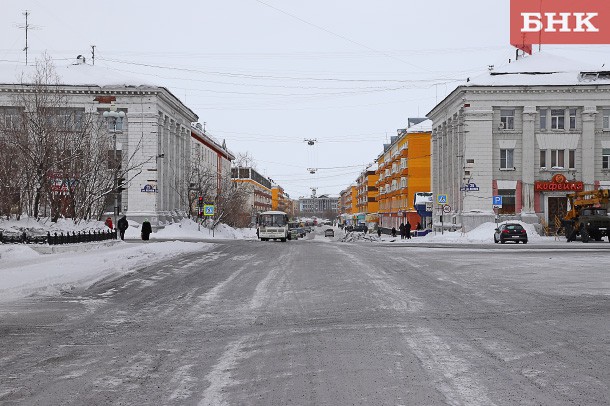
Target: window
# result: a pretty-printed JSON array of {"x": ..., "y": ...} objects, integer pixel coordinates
[
  {"x": 557, "y": 158},
  {"x": 572, "y": 159},
  {"x": 403, "y": 163},
  {"x": 606, "y": 158},
  {"x": 508, "y": 201},
  {"x": 506, "y": 159},
  {"x": 543, "y": 119},
  {"x": 606, "y": 119},
  {"x": 543, "y": 158},
  {"x": 572, "y": 119},
  {"x": 507, "y": 119},
  {"x": 557, "y": 119}
]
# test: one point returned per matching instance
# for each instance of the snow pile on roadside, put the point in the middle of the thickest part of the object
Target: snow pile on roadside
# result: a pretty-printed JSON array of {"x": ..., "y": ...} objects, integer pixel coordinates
[
  {"x": 16, "y": 252},
  {"x": 24, "y": 272},
  {"x": 188, "y": 229},
  {"x": 482, "y": 234}
]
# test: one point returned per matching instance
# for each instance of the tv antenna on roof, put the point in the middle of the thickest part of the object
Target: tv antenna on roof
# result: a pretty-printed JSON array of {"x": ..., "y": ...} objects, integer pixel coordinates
[
  {"x": 26, "y": 27},
  {"x": 311, "y": 141}
]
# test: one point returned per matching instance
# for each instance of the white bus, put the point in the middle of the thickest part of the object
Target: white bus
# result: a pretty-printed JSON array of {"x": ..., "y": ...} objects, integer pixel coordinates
[{"x": 272, "y": 225}]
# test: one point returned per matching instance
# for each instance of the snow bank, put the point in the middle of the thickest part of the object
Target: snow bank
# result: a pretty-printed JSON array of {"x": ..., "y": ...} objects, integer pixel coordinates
[
  {"x": 482, "y": 234},
  {"x": 188, "y": 229},
  {"x": 23, "y": 272}
]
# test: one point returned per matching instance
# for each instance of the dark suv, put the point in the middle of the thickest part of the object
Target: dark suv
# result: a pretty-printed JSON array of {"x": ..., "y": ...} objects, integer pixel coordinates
[{"x": 510, "y": 232}]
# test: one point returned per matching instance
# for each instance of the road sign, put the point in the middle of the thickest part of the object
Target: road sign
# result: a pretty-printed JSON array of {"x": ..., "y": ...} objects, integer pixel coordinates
[
  {"x": 441, "y": 199},
  {"x": 446, "y": 208},
  {"x": 428, "y": 206},
  {"x": 208, "y": 210},
  {"x": 497, "y": 202}
]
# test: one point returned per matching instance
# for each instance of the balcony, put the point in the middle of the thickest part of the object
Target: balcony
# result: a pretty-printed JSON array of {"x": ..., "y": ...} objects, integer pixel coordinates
[
  {"x": 404, "y": 171},
  {"x": 404, "y": 153}
]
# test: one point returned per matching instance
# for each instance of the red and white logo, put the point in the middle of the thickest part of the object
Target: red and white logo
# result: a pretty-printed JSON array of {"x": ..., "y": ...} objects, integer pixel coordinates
[{"x": 559, "y": 22}]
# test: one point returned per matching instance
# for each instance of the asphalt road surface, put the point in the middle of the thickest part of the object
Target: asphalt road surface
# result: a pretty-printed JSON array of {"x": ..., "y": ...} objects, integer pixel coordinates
[{"x": 319, "y": 322}]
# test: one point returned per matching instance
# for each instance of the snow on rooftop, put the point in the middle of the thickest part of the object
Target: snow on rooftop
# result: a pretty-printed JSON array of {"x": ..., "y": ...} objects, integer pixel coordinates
[
  {"x": 73, "y": 75},
  {"x": 423, "y": 127},
  {"x": 539, "y": 69}
]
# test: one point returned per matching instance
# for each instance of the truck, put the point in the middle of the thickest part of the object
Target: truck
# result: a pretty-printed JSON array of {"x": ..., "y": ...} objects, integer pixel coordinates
[{"x": 587, "y": 216}]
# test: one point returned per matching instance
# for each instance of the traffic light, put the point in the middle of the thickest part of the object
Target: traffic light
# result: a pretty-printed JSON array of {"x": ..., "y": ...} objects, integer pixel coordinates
[
  {"x": 120, "y": 182},
  {"x": 200, "y": 201}
]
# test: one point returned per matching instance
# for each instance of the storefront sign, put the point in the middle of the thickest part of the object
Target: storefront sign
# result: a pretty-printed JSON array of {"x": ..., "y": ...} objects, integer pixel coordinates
[{"x": 558, "y": 183}]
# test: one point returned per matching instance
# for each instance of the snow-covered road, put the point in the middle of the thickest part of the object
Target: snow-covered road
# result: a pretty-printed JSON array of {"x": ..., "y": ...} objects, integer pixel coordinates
[{"x": 317, "y": 321}]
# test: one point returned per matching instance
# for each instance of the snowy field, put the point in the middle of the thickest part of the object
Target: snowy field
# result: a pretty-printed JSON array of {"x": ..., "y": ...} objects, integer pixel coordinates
[{"x": 24, "y": 270}]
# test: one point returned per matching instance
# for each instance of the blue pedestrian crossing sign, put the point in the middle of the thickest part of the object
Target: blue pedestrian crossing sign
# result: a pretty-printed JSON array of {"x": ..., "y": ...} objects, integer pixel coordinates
[
  {"x": 208, "y": 210},
  {"x": 441, "y": 199},
  {"x": 497, "y": 202}
]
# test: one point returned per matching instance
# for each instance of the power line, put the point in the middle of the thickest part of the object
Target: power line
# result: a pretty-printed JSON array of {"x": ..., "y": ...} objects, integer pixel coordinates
[{"x": 339, "y": 35}]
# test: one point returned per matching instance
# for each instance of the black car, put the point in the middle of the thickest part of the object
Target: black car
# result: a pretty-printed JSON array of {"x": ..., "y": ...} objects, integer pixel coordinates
[
  {"x": 360, "y": 228},
  {"x": 510, "y": 232}
]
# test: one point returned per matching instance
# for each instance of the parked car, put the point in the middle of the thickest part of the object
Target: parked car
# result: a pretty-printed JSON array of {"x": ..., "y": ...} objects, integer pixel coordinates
[
  {"x": 510, "y": 232},
  {"x": 360, "y": 228},
  {"x": 329, "y": 232}
]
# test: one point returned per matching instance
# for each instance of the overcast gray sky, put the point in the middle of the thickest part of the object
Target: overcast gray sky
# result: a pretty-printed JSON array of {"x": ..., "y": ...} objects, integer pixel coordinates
[{"x": 266, "y": 74}]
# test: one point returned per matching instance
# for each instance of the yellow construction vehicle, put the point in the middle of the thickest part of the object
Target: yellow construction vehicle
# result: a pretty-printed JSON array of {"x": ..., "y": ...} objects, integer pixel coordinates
[{"x": 587, "y": 216}]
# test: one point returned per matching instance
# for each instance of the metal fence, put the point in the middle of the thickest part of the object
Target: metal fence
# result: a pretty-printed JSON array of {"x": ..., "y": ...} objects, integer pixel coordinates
[{"x": 56, "y": 239}]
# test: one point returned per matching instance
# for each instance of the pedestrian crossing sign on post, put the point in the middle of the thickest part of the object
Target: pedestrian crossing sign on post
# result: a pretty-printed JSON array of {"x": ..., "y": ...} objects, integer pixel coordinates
[
  {"x": 441, "y": 199},
  {"x": 208, "y": 210}
]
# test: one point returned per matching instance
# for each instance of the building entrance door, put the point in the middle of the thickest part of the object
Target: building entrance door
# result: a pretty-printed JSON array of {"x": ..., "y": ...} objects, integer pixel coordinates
[{"x": 557, "y": 207}]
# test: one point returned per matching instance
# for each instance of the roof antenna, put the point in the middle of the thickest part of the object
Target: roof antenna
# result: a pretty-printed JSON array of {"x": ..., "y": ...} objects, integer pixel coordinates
[
  {"x": 26, "y": 27},
  {"x": 93, "y": 54}
]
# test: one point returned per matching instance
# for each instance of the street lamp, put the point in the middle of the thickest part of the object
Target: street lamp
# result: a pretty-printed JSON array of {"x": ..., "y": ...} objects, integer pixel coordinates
[{"x": 114, "y": 116}]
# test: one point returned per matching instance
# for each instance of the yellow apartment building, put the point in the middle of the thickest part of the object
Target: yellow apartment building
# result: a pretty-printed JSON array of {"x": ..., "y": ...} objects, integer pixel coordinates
[
  {"x": 367, "y": 205},
  {"x": 280, "y": 200},
  {"x": 403, "y": 170}
]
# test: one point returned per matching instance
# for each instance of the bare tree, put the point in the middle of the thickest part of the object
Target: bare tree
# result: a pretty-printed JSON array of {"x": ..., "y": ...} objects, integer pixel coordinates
[{"x": 60, "y": 154}]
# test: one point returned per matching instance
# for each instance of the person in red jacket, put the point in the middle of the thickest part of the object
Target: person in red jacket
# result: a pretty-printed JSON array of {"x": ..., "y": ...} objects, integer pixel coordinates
[{"x": 109, "y": 223}]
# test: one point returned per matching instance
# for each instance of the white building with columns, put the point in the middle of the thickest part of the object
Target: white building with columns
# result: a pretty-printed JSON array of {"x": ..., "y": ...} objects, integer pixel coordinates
[
  {"x": 155, "y": 135},
  {"x": 530, "y": 132}
]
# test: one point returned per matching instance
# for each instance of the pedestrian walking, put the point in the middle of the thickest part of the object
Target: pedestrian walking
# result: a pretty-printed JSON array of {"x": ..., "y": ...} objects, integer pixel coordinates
[
  {"x": 408, "y": 230},
  {"x": 393, "y": 231},
  {"x": 401, "y": 229},
  {"x": 379, "y": 232},
  {"x": 109, "y": 223},
  {"x": 146, "y": 230},
  {"x": 122, "y": 225}
]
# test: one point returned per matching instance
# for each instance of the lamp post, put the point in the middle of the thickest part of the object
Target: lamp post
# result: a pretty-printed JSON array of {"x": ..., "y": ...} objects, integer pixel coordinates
[{"x": 114, "y": 116}]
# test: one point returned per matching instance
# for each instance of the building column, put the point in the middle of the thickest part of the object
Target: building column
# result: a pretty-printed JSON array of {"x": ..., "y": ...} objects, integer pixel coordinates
[
  {"x": 527, "y": 162},
  {"x": 588, "y": 147}
]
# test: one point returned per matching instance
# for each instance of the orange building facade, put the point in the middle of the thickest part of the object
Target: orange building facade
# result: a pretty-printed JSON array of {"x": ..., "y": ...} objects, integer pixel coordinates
[{"x": 403, "y": 170}]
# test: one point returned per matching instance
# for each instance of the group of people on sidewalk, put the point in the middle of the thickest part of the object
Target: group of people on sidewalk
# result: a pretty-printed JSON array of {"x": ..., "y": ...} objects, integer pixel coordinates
[
  {"x": 122, "y": 226},
  {"x": 405, "y": 230}
]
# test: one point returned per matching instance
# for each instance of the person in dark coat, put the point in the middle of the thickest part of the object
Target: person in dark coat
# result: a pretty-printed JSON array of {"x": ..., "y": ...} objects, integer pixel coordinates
[
  {"x": 401, "y": 229},
  {"x": 408, "y": 230},
  {"x": 393, "y": 231},
  {"x": 122, "y": 226},
  {"x": 146, "y": 230},
  {"x": 379, "y": 232},
  {"x": 418, "y": 227}
]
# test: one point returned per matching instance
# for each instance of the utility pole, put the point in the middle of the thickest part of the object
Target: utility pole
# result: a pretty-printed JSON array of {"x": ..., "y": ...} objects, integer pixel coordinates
[{"x": 26, "y": 27}]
